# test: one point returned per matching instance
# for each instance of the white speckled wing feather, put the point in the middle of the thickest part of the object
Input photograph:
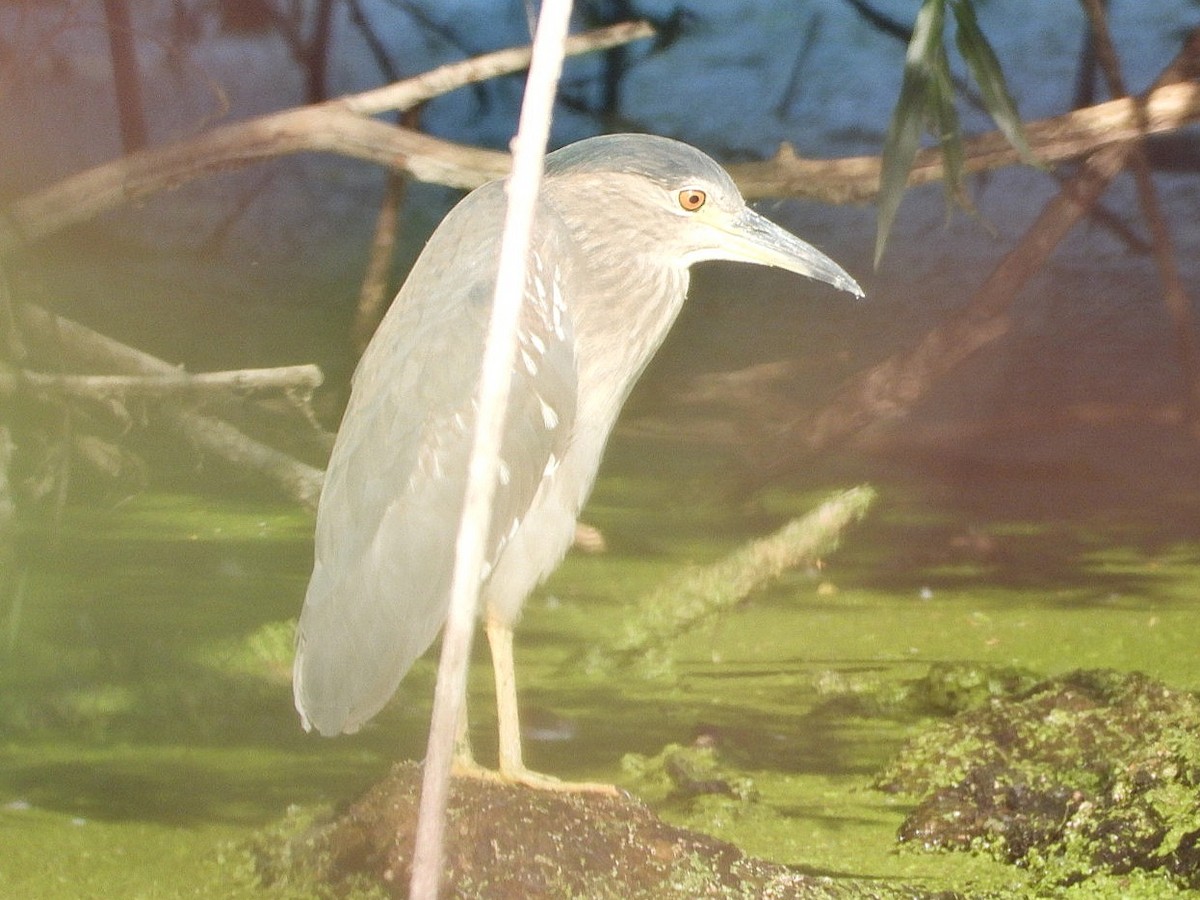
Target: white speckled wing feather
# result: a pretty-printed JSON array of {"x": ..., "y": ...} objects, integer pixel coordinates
[{"x": 389, "y": 511}]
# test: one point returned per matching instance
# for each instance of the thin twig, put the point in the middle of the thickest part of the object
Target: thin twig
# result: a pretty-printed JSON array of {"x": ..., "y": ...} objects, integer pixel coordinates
[
  {"x": 375, "y": 46},
  {"x": 529, "y": 147},
  {"x": 127, "y": 79},
  {"x": 373, "y": 294},
  {"x": 1175, "y": 297},
  {"x": 413, "y": 91}
]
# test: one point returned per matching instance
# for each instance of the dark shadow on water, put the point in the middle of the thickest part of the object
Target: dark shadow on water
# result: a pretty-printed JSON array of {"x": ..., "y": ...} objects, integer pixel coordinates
[{"x": 180, "y": 786}]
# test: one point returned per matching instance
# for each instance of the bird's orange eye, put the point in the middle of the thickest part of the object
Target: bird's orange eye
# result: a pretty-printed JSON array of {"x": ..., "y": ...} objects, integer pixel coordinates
[{"x": 691, "y": 199}]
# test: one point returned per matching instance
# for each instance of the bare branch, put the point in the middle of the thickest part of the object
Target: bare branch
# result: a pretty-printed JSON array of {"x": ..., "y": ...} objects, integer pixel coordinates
[
  {"x": 179, "y": 385},
  {"x": 1065, "y": 137},
  {"x": 94, "y": 350},
  {"x": 1175, "y": 296},
  {"x": 701, "y": 594},
  {"x": 891, "y": 387},
  {"x": 409, "y": 93},
  {"x": 338, "y": 126},
  {"x": 324, "y": 128}
]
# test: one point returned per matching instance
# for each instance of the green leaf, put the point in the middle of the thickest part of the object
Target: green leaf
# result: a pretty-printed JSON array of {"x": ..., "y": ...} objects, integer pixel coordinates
[
  {"x": 985, "y": 69},
  {"x": 949, "y": 133},
  {"x": 908, "y": 119}
]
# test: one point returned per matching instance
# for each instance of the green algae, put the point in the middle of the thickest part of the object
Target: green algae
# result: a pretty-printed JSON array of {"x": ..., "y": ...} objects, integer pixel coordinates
[
  {"x": 146, "y": 691},
  {"x": 700, "y": 594},
  {"x": 680, "y": 772},
  {"x": 1090, "y": 772}
]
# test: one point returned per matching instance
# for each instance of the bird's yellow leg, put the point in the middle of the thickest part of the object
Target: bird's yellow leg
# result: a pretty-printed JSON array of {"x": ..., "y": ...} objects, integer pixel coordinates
[
  {"x": 512, "y": 766},
  {"x": 464, "y": 760}
]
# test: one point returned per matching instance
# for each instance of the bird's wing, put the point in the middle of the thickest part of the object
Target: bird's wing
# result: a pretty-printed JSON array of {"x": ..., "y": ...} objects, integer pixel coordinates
[{"x": 389, "y": 510}]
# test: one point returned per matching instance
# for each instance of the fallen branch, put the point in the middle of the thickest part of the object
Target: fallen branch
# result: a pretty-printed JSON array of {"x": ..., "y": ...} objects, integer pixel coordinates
[
  {"x": 891, "y": 388},
  {"x": 52, "y": 335},
  {"x": 325, "y": 128},
  {"x": 340, "y": 126},
  {"x": 177, "y": 385},
  {"x": 1062, "y": 138},
  {"x": 700, "y": 594}
]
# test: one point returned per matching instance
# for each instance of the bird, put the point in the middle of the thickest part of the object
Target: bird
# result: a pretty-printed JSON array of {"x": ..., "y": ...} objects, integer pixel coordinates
[{"x": 620, "y": 220}]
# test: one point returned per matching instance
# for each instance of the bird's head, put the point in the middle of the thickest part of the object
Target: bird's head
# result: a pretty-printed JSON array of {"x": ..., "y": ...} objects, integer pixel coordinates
[{"x": 664, "y": 199}]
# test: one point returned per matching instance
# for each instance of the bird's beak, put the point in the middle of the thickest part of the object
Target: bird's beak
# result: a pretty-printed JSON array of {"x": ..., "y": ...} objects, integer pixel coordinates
[{"x": 749, "y": 237}]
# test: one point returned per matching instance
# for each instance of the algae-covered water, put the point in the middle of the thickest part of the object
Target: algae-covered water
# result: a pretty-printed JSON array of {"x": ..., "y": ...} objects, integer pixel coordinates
[
  {"x": 1034, "y": 511},
  {"x": 146, "y": 724},
  {"x": 146, "y": 712}
]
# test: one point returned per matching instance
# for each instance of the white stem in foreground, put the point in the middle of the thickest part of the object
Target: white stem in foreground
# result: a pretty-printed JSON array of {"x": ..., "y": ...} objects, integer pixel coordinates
[{"x": 499, "y": 355}]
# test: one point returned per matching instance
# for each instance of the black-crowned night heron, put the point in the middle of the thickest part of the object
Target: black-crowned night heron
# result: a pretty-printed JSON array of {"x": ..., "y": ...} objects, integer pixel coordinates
[{"x": 619, "y": 221}]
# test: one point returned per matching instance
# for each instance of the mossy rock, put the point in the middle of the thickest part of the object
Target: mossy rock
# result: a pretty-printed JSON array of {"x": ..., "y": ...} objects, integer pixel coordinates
[
  {"x": 507, "y": 842},
  {"x": 1093, "y": 772}
]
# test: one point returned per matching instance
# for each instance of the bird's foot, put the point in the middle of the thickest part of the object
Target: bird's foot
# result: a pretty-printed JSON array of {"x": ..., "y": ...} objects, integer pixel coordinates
[
  {"x": 468, "y": 768},
  {"x": 540, "y": 782}
]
